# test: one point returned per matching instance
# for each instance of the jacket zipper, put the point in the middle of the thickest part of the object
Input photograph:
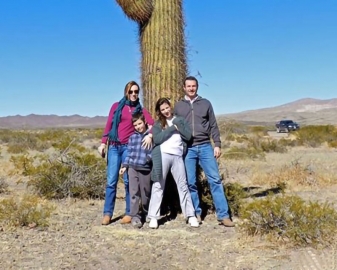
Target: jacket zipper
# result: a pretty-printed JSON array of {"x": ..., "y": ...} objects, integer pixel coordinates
[{"x": 192, "y": 119}]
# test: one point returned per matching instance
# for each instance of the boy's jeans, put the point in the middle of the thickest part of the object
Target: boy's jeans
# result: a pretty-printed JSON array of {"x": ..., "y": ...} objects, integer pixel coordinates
[
  {"x": 204, "y": 154},
  {"x": 116, "y": 155}
]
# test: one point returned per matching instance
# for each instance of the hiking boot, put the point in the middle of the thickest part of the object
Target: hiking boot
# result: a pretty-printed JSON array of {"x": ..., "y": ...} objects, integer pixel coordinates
[
  {"x": 193, "y": 221},
  {"x": 106, "y": 220},
  {"x": 199, "y": 219},
  {"x": 227, "y": 222},
  {"x": 135, "y": 222},
  {"x": 126, "y": 219},
  {"x": 153, "y": 223}
]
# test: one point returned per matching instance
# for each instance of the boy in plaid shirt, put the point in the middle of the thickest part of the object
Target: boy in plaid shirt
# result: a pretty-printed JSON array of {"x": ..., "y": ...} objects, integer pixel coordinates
[{"x": 138, "y": 163}]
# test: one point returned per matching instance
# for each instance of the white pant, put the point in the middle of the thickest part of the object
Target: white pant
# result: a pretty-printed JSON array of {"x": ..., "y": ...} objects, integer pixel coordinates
[{"x": 176, "y": 164}]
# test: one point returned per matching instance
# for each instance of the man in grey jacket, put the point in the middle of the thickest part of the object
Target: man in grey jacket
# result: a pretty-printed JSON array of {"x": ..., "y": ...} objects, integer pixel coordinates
[{"x": 199, "y": 114}]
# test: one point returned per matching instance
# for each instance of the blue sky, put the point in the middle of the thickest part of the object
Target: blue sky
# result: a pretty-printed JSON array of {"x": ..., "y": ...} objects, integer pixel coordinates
[{"x": 74, "y": 57}]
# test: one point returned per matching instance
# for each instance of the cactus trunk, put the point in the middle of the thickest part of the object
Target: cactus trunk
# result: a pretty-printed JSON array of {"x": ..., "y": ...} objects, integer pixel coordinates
[
  {"x": 162, "y": 45},
  {"x": 163, "y": 64}
]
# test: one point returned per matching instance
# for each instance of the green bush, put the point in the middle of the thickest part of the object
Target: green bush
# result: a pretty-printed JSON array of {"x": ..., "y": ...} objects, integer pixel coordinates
[
  {"x": 291, "y": 219},
  {"x": 68, "y": 175},
  {"x": 29, "y": 211},
  {"x": 314, "y": 136}
]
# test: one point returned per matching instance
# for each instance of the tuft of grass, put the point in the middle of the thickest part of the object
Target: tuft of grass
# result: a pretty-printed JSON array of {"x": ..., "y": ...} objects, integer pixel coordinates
[
  {"x": 29, "y": 211},
  {"x": 290, "y": 219}
]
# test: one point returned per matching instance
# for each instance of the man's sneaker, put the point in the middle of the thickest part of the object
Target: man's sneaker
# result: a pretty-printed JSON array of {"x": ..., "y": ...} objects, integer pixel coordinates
[
  {"x": 227, "y": 222},
  {"x": 153, "y": 223},
  {"x": 126, "y": 220},
  {"x": 199, "y": 219},
  {"x": 106, "y": 220},
  {"x": 135, "y": 222},
  {"x": 193, "y": 221}
]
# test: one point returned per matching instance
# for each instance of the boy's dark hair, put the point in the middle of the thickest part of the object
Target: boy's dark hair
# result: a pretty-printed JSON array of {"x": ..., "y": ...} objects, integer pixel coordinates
[
  {"x": 138, "y": 116},
  {"x": 191, "y": 78}
]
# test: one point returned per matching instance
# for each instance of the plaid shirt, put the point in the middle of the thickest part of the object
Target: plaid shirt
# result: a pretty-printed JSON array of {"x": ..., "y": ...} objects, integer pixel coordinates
[{"x": 138, "y": 157}]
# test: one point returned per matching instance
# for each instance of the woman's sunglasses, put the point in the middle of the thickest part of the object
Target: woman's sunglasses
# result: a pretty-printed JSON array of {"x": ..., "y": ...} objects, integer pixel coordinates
[{"x": 133, "y": 92}]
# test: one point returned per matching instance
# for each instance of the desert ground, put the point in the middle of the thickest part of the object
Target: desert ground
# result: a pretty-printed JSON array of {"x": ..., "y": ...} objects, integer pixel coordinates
[{"x": 75, "y": 239}]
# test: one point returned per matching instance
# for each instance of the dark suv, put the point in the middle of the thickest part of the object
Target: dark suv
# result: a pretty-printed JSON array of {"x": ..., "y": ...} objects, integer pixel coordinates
[{"x": 286, "y": 126}]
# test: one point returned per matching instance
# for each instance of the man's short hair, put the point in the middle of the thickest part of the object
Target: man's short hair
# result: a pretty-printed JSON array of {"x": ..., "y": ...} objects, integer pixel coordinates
[{"x": 191, "y": 78}]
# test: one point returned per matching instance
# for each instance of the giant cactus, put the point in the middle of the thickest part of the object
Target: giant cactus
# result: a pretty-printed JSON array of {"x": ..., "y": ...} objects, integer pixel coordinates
[{"x": 162, "y": 45}]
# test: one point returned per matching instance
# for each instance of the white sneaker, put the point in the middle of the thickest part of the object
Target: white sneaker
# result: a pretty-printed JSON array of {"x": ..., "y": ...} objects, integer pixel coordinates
[
  {"x": 153, "y": 223},
  {"x": 193, "y": 221}
]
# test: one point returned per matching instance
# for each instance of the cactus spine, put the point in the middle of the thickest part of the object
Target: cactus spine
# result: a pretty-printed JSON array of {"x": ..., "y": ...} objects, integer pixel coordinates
[{"x": 162, "y": 45}]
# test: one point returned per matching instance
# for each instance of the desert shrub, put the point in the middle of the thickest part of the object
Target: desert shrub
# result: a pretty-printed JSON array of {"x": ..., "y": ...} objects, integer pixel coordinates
[
  {"x": 291, "y": 219},
  {"x": 66, "y": 175},
  {"x": 259, "y": 130},
  {"x": 265, "y": 145},
  {"x": 295, "y": 174},
  {"x": 28, "y": 211},
  {"x": 333, "y": 144},
  {"x": 21, "y": 142},
  {"x": 234, "y": 194},
  {"x": 6, "y": 135},
  {"x": 3, "y": 185},
  {"x": 283, "y": 142},
  {"x": 241, "y": 138},
  {"x": 242, "y": 152},
  {"x": 314, "y": 136}
]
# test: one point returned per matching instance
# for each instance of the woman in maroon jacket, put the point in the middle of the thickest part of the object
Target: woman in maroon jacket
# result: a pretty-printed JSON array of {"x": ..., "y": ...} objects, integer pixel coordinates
[{"x": 117, "y": 131}]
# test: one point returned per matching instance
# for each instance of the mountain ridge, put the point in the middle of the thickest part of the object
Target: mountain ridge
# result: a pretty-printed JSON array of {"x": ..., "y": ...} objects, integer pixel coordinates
[{"x": 305, "y": 111}]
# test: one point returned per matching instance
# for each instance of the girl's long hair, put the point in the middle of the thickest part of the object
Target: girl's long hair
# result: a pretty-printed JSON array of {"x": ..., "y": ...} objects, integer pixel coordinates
[{"x": 161, "y": 117}]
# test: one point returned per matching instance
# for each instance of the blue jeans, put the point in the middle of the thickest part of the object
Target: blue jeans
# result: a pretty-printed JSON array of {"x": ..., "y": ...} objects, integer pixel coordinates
[
  {"x": 116, "y": 155},
  {"x": 204, "y": 154}
]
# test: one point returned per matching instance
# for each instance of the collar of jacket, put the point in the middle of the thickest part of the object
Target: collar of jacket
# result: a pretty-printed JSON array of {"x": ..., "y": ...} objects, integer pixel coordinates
[
  {"x": 143, "y": 134},
  {"x": 197, "y": 98}
]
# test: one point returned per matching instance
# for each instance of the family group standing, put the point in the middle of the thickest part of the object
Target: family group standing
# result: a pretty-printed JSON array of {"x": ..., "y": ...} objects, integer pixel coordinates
[{"x": 144, "y": 151}]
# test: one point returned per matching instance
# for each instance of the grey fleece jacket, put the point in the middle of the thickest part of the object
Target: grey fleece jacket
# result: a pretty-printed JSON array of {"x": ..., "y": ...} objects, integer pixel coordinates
[
  {"x": 161, "y": 135},
  {"x": 200, "y": 116}
]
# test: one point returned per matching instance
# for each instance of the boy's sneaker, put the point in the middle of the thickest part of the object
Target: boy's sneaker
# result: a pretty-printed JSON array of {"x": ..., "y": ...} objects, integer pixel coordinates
[
  {"x": 227, "y": 222},
  {"x": 193, "y": 221},
  {"x": 135, "y": 222},
  {"x": 153, "y": 223}
]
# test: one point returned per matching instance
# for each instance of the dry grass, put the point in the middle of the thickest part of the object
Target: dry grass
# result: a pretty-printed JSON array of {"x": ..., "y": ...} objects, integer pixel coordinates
[{"x": 75, "y": 238}]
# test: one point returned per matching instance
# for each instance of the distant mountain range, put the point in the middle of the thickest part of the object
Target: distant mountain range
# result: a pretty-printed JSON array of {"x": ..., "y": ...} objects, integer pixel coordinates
[
  {"x": 51, "y": 121},
  {"x": 303, "y": 111}
]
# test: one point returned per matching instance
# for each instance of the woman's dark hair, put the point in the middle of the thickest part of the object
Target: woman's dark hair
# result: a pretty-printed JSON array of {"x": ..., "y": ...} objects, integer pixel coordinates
[{"x": 160, "y": 116}]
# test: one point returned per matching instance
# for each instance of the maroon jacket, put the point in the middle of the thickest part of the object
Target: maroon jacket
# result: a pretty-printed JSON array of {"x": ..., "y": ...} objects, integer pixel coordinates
[{"x": 125, "y": 127}]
